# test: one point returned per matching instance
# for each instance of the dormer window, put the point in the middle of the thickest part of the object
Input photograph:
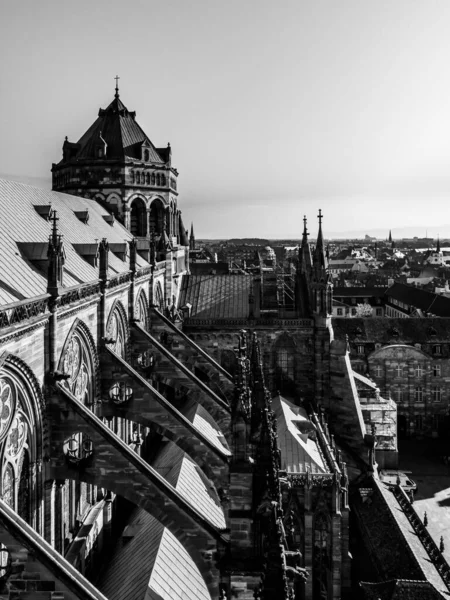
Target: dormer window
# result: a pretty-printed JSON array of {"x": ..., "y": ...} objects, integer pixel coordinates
[
  {"x": 100, "y": 153},
  {"x": 146, "y": 155}
]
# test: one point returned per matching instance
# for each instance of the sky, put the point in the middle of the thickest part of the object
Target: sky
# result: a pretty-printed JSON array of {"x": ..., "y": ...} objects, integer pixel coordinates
[{"x": 273, "y": 109}]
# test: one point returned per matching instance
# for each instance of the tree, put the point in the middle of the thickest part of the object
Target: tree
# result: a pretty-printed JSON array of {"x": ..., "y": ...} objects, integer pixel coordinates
[{"x": 364, "y": 310}]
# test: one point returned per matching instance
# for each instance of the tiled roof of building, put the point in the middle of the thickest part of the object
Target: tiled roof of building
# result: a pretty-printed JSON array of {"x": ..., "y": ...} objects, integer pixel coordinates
[
  {"x": 392, "y": 331},
  {"x": 356, "y": 292},
  {"x": 203, "y": 421},
  {"x": 153, "y": 565},
  {"x": 23, "y": 230},
  {"x": 400, "y": 589},
  {"x": 425, "y": 301},
  {"x": 118, "y": 128},
  {"x": 421, "y": 555},
  {"x": 297, "y": 439},
  {"x": 216, "y": 296},
  {"x": 188, "y": 479},
  {"x": 399, "y": 552}
]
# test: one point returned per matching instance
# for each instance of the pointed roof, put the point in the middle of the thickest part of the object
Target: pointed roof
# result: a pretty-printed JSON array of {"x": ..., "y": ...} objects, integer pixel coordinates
[
  {"x": 390, "y": 236},
  {"x": 184, "y": 241},
  {"x": 320, "y": 259},
  {"x": 438, "y": 246},
  {"x": 304, "y": 252},
  {"x": 117, "y": 128}
]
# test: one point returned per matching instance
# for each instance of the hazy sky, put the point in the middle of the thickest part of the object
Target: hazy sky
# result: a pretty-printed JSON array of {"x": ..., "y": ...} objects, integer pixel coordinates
[{"x": 273, "y": 109}]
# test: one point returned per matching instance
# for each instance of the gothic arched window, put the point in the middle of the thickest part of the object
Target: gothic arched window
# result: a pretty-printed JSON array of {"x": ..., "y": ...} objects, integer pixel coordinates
[
  {"x": 138, "y": 177},
  {"x": 163, "y": 180},
  {"x": 15, "y": 451},
  {"x": 147, "y": 178},
  {"x": 117, "y": 332},
  {"x": 142, "y": 311},
  {"x": 77, "y": 364},
  {"x": 8, "y": 486},
  {"x": 284, "y": 358},
  {"x": 158, "y": 299},
  {"x": 158, "y": 179}
]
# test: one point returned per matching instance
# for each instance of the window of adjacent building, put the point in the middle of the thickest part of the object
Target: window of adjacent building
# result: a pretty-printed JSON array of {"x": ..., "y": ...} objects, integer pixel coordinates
[
  {"x": 436, "y": 394},
  {"x": 379, "y": 312},
  {"x": 437, "y": 349},
  {"x": 419, "y": 422},
  {"x": 378, "y": 371},
  {"x": 436, "y": 370},
  {"x": 398, "y": 395},
  {"x": 418, "y": 396},
  {"x": 339, "y": 311},
  {"x": 360, "y": 349},
  {"x": 353, "y": 311},
  {"x": 418, "y": 371}
]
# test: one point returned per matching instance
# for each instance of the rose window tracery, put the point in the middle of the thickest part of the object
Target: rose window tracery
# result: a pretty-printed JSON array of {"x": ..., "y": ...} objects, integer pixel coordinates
[
  {"x": 17, "y": 436},
  {"x": 8, "y": 486}
]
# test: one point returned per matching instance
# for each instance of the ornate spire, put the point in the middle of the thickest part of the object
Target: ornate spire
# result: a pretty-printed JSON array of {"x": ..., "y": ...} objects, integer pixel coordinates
[
  {"x": 55, "y": 254},
  {"x": 192, "y": 238},
  {"x": 116, "y": 95},
  {"x": 305, "y": 232},
  {"x": 320, "y": 259}
]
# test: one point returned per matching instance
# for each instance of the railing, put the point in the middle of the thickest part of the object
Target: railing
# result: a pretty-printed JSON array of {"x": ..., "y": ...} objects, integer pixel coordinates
[
  {"x": 429, "y": 544},
  {"x": 119, "y": 279},
  {"x": 143, "y": 272},
  {"x": 16, "y": 312},
  {"x": 79, "y": 292},
  {"x": 311, "y": 479}
]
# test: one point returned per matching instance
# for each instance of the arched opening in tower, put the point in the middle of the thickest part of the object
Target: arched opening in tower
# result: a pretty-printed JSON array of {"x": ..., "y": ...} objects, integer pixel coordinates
[
  {"x": 138, "y": 218},
  {"x": 157, "y": 217}
]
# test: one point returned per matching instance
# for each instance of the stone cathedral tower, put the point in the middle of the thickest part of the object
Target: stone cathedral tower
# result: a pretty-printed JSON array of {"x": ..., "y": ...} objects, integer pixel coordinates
[{"x": 115, "y": 163}]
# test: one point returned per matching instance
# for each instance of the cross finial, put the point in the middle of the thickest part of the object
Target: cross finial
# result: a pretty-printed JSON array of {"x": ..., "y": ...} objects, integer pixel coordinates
[
  {"x": 117, "y": 85},
  {"x": 320, "y": 217}
]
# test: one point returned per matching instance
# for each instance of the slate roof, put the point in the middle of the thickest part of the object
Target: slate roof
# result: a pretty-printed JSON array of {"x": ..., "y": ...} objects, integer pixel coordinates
[
  {"x": 357, "y": 292},
  {"x": 202, "y": 420},
  {"x": 216, "y": 296},
  {"x": 425, "y": 301},
  {"x": 383, "y": 330},
  {"x": 400, "y": 589},
  {"x": 23, "y": 230},
  {"x": 117, "y": 127},
  {"x": 153, "y": 565},
  {"x": 296, "y": 438},
  {"x": 399, "y": 552}
]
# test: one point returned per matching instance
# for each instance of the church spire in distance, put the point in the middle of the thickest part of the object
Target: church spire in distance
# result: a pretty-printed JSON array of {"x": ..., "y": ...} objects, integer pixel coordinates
[
  {"x": 116, "y": 95},
  {"x": 319, "y": 254}
]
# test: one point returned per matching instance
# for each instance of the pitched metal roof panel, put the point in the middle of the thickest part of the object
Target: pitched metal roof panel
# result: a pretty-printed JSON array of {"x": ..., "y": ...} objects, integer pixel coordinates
[{"x": 21, "y": 223}]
